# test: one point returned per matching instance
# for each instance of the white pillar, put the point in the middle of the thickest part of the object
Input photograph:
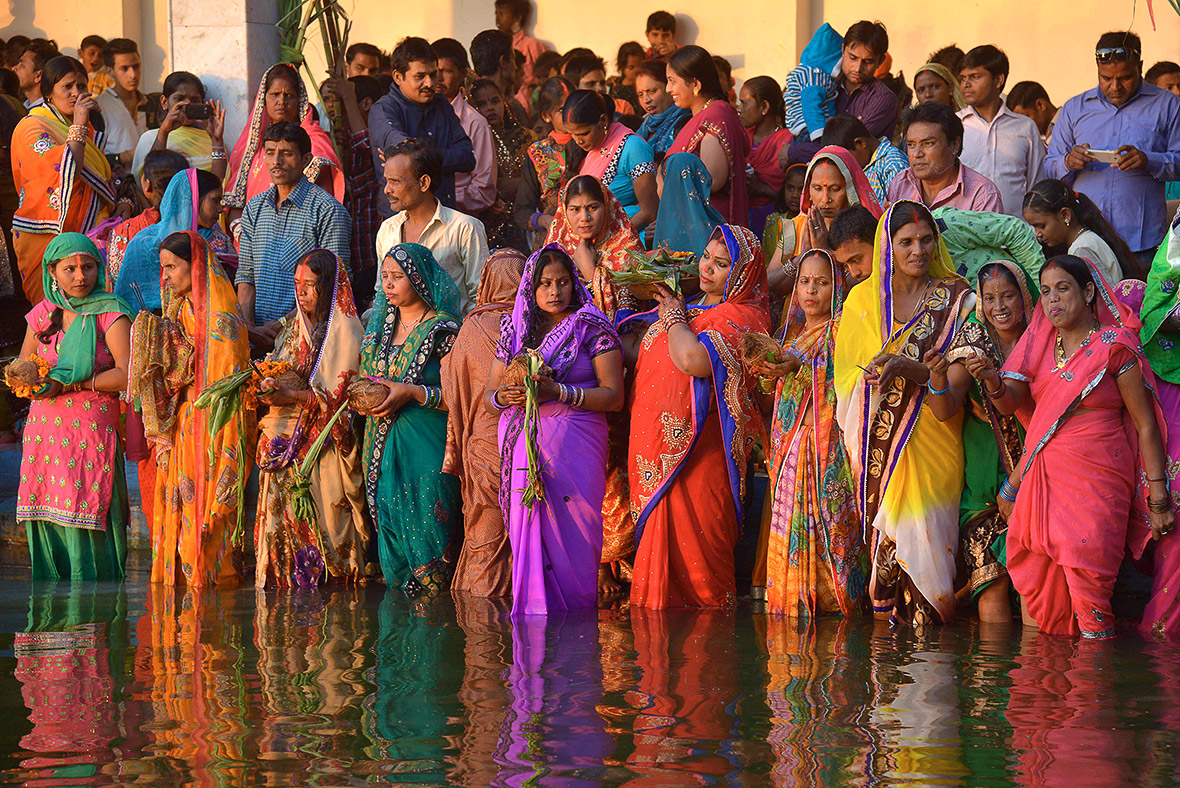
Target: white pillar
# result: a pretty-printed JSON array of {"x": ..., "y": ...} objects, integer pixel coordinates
[{"x": 229, "y": 44}]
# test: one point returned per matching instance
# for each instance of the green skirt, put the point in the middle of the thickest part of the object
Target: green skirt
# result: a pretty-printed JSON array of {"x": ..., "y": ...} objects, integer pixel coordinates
[{"x": 59, "y": 552}]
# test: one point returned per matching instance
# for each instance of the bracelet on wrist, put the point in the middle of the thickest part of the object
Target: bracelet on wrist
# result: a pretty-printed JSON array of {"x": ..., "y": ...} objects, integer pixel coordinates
[
  {"x": 1001, "y": 391},
  {"x": 76, "y": 133},
  {"x": 1008, "y": 492},
  {"x": 937, "y": 392},
  {"x": 496, "y": 403}
]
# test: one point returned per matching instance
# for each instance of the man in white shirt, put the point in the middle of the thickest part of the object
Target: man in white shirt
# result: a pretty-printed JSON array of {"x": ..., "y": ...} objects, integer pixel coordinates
[
  {"x": 475, "y": 191},
  {"x": 458, "y": 241},
  {"x": 123, "y": 105},
  {"x": 998, "y": 143}
]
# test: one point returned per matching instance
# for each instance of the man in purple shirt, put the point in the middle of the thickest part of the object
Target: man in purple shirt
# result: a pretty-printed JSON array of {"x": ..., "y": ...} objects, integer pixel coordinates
[
  {"x": 1142, "y": 124},
  {"x": 936, "y": 178},
  {"x": 859, "y": 92}
]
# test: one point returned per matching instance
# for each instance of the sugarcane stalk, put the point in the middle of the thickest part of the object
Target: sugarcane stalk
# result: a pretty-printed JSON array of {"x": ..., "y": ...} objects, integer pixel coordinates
[{"x": 535, "y": 488}]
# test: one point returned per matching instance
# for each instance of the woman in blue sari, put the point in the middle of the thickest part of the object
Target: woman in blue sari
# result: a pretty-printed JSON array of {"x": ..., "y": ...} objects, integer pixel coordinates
[
  {"x": 416, "y": 506},
  {"x": 192, "y": 202},
  {"x": 686, "y": 219}
]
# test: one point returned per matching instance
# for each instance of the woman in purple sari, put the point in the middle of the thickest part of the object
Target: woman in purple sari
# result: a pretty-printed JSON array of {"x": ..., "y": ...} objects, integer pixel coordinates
[{"x": 556, "y": 541}]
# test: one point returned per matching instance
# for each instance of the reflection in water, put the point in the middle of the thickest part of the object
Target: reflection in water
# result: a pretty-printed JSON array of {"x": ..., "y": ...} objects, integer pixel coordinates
[{"x": 358, "y": 686}]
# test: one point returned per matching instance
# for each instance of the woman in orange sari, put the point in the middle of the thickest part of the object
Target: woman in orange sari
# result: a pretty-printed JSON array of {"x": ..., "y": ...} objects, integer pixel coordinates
[
  {"x": 58, "y": 169},
  {"x": 693, "y": 423},
  {"x": 281, "y": 97},
  {"x": 200, "y": 340}
]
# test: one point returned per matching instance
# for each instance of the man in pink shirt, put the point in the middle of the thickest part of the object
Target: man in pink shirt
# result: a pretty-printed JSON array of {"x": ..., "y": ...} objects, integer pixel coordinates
[
  {"x": 475, "y": 191},
  {"x": 511, "y": 18},
  {"x": 936, "y": 177}
]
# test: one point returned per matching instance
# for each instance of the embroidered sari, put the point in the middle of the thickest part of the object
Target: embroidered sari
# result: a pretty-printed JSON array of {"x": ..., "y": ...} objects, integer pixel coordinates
[
  {"x": 72, "y": 496},
  {"x": 763, "y": 159},
  {"x": 721, "y": 120},
  {"x": 415, "y": 505},
  {"x": 660, "y": 129},
  {"x": 556, "y": 543},
  {"x": 473, "y": 450},
  {"x": 547, "y": 158},
  {"x": 612, "y": 246},
  {"x": 908, "y": 465},
  {"x": 992, "y": 445},
  {"x": 690, "y": 443},
  {"x": 686, "y": 219},
  {"x": 512, "y": 143},
  {"x": 138, "y": 281},
  {"x": 1082, "y": 495},
  {"x": 200, "y": 339},
  {"x": 247, "y": 175},
  {"x": 289, "y": 551},
  {"x": 815, "y": 556},
  {"x": 1162, "y": 614},
  {"x": 57, "y": 192}
]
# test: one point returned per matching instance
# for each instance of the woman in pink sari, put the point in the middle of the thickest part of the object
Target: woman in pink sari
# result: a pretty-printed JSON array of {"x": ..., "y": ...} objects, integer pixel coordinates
[
  {"x": 281, "y": 97},
  {"x": 556, "y": 540},
  {"x": 714, "y": 132},
  {"x": 1094, "y": 458}
]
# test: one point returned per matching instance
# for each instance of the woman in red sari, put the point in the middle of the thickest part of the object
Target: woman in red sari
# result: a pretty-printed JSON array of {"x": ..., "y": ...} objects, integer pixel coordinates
[
  {"x": 281, "y": 97},
  {"x": 1094, "y": 458},
  {"x": 714, "y": 132},
  {"x": 693, "y": 423},
  {"x": 760, "y": 104}
]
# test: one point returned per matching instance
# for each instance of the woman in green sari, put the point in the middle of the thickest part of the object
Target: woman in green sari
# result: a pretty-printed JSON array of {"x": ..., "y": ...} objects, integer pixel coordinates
[
  {"x": 992, "y": 443},
  {"x": 412, "y": 326}
]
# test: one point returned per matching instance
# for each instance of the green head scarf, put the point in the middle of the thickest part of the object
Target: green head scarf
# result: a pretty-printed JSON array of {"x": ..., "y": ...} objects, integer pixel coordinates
[
  {"x": 434, "y": 286},
  {"x": 76, "y": 350}
]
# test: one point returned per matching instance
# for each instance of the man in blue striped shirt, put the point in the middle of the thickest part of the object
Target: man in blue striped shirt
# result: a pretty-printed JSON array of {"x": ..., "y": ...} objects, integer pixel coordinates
[{"x": 278, "y": 227}]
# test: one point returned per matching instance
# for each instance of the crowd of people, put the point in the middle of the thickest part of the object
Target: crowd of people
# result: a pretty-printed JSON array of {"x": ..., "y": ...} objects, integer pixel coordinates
[{"x": 941, "y": 319}]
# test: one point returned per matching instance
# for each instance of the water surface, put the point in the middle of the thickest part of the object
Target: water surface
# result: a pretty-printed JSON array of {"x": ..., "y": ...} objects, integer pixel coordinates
[{"x": 107, "y": 684}]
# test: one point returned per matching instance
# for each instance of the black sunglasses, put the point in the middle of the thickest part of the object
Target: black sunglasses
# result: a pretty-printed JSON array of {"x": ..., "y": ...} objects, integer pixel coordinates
[{"x": 1116, "y": 55}]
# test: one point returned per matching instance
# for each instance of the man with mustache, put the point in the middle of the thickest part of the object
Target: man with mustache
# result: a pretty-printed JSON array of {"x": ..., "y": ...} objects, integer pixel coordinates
[
  {"x": 415, "y": 108},
  {"x": 278, "y": 227}
]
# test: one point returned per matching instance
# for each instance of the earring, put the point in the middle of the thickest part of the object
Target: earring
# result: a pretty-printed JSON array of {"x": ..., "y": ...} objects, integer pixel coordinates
[
  {"x": 696, "y": 91},
  {"x": 1067, "y": 222},
  {"x": 56, "y": 289}
]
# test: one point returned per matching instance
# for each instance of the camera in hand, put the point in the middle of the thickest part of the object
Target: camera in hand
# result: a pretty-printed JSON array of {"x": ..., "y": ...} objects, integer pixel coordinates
[{"x": 197, "y": 111}]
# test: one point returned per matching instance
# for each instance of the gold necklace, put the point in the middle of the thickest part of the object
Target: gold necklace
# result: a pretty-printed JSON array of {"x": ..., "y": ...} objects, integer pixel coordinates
[{"x": 1059, "y": 350}]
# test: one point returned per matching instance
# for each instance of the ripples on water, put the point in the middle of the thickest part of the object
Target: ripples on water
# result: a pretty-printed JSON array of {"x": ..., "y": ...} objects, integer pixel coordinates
[{"x": 130, "y": 685}]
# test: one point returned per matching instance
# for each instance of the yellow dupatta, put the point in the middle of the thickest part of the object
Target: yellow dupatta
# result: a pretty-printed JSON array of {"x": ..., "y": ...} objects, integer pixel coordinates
[{"x": 46, "y": 173}]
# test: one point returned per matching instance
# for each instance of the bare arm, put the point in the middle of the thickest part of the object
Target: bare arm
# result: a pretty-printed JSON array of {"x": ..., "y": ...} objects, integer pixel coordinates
[
  {"x": 1151, "y": 444},
  {"x": 954, "y": 378},
  {"x": 118, "y": 339},
  {"x": 713, "y": 155},
  {"x": 645, "y": 195}
]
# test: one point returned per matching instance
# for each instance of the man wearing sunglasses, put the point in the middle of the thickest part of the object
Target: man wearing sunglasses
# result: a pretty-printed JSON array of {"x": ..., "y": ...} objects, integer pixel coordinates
[{"x": 1138, "y": 121}]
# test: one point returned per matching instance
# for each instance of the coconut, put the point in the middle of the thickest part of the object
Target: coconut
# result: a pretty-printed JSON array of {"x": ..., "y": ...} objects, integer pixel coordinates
[
  {"x": 365, "y": 395},
  {"x": 758, "y": 348},
  {"x": 292, "y": 380},
  {"x": 517, "y": 371},
  {"x": 23, "y": 371}
]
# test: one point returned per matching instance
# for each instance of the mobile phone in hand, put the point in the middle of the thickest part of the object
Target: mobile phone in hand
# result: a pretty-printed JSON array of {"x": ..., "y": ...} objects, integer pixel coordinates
[
  {"x": 197, "y": 111},
  {"x": 1105, "y": 156}
]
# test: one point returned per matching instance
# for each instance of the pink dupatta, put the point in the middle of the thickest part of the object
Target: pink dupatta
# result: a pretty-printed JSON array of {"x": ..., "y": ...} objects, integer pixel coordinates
[
  {"x": 720, "y": 119},
  {"x": 861, "y": 192},
  {"x": 248, "y": 176},
  {"x": 598, "y": 161}
]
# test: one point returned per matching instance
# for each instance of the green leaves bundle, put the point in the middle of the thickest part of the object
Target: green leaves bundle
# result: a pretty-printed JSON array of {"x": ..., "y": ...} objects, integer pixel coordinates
[{"x": 302, "y": 502}]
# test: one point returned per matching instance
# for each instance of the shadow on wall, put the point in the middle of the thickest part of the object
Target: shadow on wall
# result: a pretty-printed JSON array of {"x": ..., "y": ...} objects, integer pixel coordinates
[
  {"x": 687, "y": 30},
  {"x": 23, "y": 13}
]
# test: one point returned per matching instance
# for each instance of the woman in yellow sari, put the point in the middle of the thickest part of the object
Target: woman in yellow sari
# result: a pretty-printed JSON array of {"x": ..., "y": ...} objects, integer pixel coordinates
[
  {"x": 174, "y": 359},
  {"x": 58, "y": 169},
  {"x": 907, "y": 465}
]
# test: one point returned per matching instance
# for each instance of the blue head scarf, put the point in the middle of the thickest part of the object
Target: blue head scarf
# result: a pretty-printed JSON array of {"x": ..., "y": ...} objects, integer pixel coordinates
[{"x": 686, "y": 219}]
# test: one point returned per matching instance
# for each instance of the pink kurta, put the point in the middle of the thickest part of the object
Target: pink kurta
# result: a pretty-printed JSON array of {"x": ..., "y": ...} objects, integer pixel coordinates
[{"x": 70, "y": 443}]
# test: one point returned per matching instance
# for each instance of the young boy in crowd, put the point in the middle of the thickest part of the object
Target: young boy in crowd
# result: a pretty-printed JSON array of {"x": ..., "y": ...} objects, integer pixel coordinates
[
  {"x": 809, "y": 91},
  {"x": 661, "y": 35},
  {"x": 1164, "y": 74},
  {"x": 98, "y": 75}
]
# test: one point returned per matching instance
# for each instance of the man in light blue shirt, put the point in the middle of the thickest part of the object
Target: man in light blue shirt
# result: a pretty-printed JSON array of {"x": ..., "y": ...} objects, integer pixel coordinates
[{"x": 1139, "y": 121}]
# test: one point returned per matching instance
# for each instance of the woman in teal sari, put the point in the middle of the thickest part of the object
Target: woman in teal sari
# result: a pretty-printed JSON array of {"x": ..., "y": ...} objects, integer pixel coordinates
[
  {"x": 686, "y": 219},
  {"x": 416, "y": 506},
  {"x": 993, "y": 443}
]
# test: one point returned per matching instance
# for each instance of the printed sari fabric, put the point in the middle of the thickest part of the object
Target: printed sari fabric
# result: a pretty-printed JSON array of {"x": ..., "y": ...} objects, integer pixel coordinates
[
  {"x": 57, "y": 192},
  {"x": 660, "y": 129},
  {"x": 557, "y": 542},
  {"x": 287, "y": 550},
  {"x": 415, "y": 505},
  {"x": 547, "y": 155},
  {"x": 686, "y": 219},
  {"x": 199, "y": 340},
  {"x": 512, "y": 155},
  {"x": 248, "y": 176},
  {"x": 992, "y": 445},
  {"x": 1161, "y": 306},
  {"x": 690, "y": 442},
  {"x": 763, "y": 159},
  {"x": 908, "y": 466},
  {"x": 614, "y": 243},
  {"x": 473, "y": 451},
  {"x": 1162, "y": 614},
  {"x": 1082, "y": 496},
  {"x": 721, "y": 120},
  {"x": 138, "y": 277},
  {"x": 815, "y": 556}
]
